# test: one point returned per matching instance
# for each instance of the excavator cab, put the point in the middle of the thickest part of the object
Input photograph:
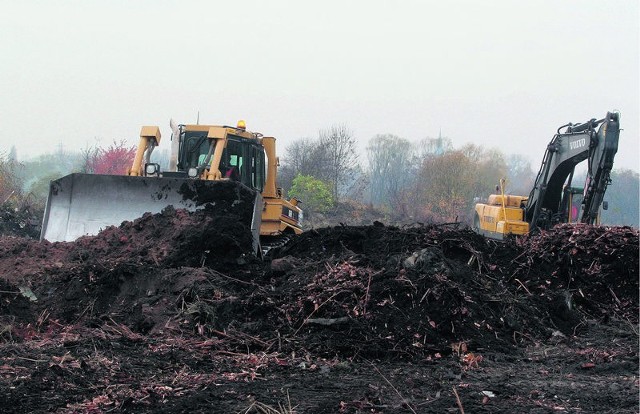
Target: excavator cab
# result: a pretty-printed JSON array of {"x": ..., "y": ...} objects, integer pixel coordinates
[{"x": 571, "y": 204}]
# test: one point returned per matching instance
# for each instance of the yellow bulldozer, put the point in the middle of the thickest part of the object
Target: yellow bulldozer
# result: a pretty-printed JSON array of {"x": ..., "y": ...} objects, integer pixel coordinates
[{"x": 203, "y": 160}]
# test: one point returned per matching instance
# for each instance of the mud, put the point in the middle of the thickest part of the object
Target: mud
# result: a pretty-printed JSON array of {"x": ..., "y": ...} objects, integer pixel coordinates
[{"x": 173, "y": 313}]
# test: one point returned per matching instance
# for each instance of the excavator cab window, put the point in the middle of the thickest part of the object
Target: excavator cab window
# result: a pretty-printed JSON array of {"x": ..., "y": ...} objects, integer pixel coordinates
[
  {"x": 571, "y": 204},
  {"x": 576, "y": 208}
]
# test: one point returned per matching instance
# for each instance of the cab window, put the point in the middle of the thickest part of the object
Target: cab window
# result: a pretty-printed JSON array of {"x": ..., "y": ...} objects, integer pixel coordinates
[
  {"x": 257, "y": 168},
  {"x": 195, "y": 147},
  {"x": 231, "y": 165}
]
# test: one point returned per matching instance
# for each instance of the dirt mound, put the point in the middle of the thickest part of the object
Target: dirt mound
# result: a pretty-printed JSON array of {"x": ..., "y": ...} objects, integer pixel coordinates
[
  {"x": 170, "y": 239},
  {"x": 396, "y": 291},
  {"x": 595, "y": 266},
  {"x": 184, "y": 289},
  {"x": 21, "y": 220},
  {"x": 410, "y": 291},
  {"x": 115, "y": 272}
]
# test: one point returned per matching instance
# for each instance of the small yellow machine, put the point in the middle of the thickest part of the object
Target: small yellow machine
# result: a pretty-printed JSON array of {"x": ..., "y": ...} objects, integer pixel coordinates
[
  {"x": 202, "y": 157},
  {"x": 502, "y": 214}
]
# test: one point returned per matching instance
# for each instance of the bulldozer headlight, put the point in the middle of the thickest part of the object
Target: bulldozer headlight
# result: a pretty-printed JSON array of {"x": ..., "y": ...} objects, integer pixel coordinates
[
  {"x": 151, "y": 169},
  {"x": 193, "y": 172}
]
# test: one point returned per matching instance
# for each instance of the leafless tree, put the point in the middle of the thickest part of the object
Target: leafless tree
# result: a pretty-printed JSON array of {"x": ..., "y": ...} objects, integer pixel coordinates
[
  {"x": 390, "y": 166},
  {"x": 10, "y": 185},
  {"x": 338, "y": 148},
  {"x": 433, "y": 146},
  {"x": 449, "y": 185},
  {"x": 520, "y": 176},
  {"x": 302, "y": 157},
  {"x": 88, "y": 155}
]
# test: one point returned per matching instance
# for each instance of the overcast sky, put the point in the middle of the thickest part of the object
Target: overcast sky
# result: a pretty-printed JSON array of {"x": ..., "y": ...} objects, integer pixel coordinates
[{"x": 502, "y": 74}]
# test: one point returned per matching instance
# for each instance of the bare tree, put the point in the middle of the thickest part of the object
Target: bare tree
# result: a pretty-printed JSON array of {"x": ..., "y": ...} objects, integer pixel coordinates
[
  {"x": 300, "y": 156},
  {"x": 339, "y": 150},
  {"x": 433, "y": 146},
  {"x": 487, "y": 168},
  {"x": 10, "y": 185},
  {"x": 520, "y": 176},
  {"x": 445, "y": 183},
  {"x": 87, "y": 156},
  {"x": 389, "y": 161}
]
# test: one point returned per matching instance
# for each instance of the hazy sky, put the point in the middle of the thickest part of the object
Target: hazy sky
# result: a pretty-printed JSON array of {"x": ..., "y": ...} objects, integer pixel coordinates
[{"x": 497, "y": 73}]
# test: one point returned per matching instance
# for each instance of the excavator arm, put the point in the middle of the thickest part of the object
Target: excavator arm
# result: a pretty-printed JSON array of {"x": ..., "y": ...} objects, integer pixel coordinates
[
  {"x": 565, "y": 151},
  {"x": 601, "y": 154}
]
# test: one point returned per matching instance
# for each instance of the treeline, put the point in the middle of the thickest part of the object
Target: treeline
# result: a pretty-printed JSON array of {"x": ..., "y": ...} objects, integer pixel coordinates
[
  {"x": 27, "y": 180},
  {"x": 424, "y": 181},
  {"x": 405, "y": 181},
  {"x": 622, "y": 197}
]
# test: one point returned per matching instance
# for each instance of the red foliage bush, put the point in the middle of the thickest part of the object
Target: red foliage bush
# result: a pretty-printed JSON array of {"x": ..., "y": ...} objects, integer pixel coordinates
[{"x": 116, "y": 159}]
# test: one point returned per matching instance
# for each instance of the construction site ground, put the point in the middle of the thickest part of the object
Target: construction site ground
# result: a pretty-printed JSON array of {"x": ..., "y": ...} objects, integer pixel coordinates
[{"x": 172, "y": 313}]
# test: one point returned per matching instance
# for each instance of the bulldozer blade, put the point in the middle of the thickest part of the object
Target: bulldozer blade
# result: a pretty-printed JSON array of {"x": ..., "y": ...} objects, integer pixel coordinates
[{"x": 84, "y": 204}]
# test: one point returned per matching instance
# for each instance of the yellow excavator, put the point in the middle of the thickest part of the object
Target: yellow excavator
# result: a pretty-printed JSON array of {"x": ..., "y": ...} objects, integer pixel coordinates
[
  {"x": 205, "y": 161},
  {"x": 553, "y": 198}
]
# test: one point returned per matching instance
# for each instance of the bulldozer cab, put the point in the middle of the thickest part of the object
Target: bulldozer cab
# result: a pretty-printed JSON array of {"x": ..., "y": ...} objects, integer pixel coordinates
[
  {"x": 243, "y": 158},
  {"x": 245, "y": 162}
]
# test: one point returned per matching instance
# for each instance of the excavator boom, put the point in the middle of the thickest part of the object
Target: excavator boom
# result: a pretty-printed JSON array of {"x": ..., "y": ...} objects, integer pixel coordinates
[
  {"x": 546, "y": 205},
  {"x": 600, "y": 165},
  {"x": 566, "y": 150}
]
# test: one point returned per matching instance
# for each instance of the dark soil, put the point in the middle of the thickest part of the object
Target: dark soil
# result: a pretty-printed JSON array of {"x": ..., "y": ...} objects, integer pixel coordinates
[
  {"x": 20, "y": 219},
  {"x": 173, "y": 313}
]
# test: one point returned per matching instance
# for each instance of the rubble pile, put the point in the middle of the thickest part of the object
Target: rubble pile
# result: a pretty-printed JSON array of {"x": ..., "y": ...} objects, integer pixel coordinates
[
  {"x": 596, "y": 265},
  {"x": 20, "y": 219},
  {"x": 178, "y": 296}
]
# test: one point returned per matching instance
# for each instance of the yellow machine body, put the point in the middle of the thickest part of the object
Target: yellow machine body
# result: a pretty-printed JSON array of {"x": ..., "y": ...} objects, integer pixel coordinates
[
  {"x": 202, "y": 155},
  {"x": 500, "y": 216}
]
